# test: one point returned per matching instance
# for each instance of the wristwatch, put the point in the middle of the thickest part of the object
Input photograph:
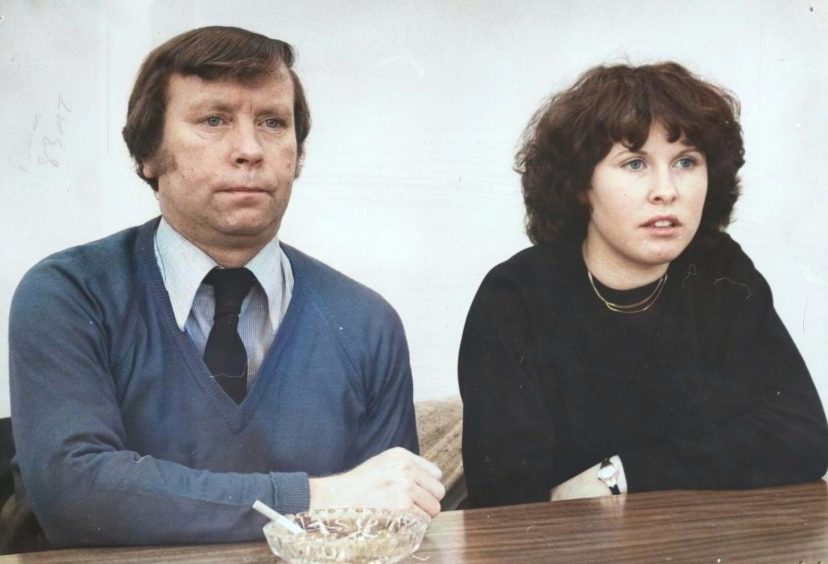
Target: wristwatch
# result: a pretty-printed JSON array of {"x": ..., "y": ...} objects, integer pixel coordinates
[{"x": 608, "y": 473}]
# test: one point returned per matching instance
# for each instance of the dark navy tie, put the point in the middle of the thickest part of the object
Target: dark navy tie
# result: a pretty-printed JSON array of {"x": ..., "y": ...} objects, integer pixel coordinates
[{"x": 224, "y": 354}]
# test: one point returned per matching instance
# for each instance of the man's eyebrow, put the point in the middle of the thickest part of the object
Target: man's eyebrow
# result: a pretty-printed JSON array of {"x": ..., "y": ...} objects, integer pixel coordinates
[
  {"x": 219, "y": 105},
  {"x": 277, "y": 109},
  {"x": 212, "y": 104}
]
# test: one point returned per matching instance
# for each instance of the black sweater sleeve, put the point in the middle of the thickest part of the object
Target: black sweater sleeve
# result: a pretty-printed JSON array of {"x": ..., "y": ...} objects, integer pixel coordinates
[
  {"x": 771, "y": 429},
  {"x": 507, "y": 447}
]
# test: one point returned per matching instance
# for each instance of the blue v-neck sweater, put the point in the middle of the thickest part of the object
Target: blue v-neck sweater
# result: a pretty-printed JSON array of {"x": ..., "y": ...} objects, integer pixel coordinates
[{"x": 123, "y": 436}]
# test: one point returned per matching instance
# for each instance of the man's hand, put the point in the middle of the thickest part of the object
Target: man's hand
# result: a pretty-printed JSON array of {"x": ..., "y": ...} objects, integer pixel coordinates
[
  {"x": 394, "y": 479},
  {"x": 585, "y": 484}
]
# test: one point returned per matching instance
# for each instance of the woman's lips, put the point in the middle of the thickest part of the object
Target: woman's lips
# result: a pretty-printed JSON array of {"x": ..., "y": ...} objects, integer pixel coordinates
[{"x": 662, "y": 222}]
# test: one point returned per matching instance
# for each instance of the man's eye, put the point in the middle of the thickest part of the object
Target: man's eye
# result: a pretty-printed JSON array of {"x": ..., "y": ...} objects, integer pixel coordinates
[
  {"x": 635, "y": 164},
  {"x": 273, "y": 123},
  {"x": 213, "y": 121}
]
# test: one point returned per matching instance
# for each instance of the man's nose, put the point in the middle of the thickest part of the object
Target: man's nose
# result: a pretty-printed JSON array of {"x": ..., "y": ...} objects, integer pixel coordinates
[{"x": 247, "y": 147}]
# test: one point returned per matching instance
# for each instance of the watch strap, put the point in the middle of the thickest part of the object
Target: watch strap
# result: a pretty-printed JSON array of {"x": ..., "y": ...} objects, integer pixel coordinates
[{"x": 610, "y": 478}]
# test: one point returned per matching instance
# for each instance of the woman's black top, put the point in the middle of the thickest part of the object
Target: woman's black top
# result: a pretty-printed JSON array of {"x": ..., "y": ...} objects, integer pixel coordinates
[{"x": 704, "y": 390}]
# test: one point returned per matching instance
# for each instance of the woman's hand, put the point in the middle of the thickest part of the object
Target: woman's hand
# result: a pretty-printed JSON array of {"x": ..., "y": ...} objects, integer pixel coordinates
[{"x": 585, "y": 484}]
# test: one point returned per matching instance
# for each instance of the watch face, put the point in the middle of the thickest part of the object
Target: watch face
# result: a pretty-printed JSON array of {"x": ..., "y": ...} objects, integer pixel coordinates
[{"x": 607, "y": 472}]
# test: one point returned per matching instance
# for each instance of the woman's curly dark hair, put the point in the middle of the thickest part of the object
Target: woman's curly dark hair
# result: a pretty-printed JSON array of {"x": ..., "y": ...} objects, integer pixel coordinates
[{"x": 575, "y": 129}]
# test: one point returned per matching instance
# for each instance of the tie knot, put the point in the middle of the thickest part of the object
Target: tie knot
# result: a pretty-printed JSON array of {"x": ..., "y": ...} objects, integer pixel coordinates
[{"x": 230, "y": 286}]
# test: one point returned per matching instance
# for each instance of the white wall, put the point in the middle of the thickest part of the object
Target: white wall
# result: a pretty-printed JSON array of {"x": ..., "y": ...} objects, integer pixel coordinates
[{"x": 417, "y": 107}]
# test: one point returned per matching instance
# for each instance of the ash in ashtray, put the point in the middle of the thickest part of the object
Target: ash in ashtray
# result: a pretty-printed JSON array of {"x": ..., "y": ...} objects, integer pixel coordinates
[
  {"x": 359, "y": 528},
  {"x": 357, "y": 535}
]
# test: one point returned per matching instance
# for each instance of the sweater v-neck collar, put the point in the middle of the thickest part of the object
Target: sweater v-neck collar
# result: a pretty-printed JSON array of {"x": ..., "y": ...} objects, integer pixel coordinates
[{"x": 235, "y": 415}]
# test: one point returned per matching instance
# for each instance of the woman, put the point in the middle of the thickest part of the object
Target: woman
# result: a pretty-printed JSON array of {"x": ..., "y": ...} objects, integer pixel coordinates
[{"x": 634, "y": 347}]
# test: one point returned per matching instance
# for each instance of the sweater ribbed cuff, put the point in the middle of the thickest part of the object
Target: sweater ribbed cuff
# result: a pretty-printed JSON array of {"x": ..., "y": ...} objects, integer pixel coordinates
[{"x": 291, "y": 492}]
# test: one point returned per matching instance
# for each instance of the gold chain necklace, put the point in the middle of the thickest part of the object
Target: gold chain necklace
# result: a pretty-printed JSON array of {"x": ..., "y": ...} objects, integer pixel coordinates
[{"x": 637, "y": 307}]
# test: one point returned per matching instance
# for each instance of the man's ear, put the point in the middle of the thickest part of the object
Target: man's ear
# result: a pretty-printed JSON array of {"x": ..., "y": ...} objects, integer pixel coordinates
[{"x": 148, "y": 170}]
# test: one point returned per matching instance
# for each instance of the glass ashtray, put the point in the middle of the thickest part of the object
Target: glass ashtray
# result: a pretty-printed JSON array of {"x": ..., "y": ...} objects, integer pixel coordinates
[{"x": 348, "y": 535}]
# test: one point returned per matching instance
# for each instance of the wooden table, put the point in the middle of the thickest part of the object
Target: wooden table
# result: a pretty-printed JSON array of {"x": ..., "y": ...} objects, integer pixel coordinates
[{"x": 778, "y": 525}]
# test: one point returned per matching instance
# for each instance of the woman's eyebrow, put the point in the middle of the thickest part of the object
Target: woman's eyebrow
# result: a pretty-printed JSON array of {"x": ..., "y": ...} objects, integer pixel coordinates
[{"x": 624, "y": 149}]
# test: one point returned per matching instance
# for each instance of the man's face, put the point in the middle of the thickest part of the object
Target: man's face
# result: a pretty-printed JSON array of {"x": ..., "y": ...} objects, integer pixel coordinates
[{"x": 227, "y": 160}]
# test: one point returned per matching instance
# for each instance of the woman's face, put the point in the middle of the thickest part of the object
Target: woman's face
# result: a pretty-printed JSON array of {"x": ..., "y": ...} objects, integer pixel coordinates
[{"x": 646, "y": 206}]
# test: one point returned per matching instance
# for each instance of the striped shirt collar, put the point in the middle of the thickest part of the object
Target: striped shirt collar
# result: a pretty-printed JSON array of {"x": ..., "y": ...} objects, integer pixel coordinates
[{"x": 183, "y": 268}]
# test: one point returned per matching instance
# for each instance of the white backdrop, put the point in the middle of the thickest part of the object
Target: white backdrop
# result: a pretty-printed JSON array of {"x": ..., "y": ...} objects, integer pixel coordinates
[{"x": 417, "y": 107}]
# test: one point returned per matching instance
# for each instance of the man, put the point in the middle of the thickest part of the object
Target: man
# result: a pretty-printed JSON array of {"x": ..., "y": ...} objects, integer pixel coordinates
[{"x": 158, "y": 388}]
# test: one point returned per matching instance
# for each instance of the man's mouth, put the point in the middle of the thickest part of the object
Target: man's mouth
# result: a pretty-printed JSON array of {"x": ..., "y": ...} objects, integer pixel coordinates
[{"x": 243, "y": 189}]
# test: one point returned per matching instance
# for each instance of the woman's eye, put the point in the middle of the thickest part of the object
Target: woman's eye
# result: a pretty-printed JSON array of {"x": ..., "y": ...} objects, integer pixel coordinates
[
  {"x": 635, "y": 164},
  {"x": 686, "y": 162},
  {"x": 213, "y": 121}
]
